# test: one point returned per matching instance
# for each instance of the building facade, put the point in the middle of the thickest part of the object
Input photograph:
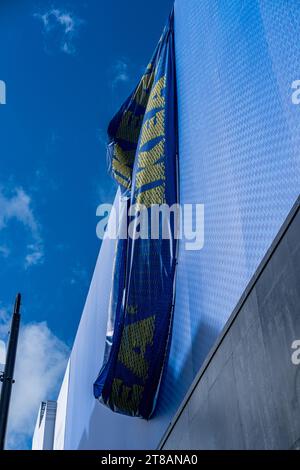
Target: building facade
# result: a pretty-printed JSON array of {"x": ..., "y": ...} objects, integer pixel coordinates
[
  {"x": 43, "y": 438},
  {"x": 239, "y": 140}
]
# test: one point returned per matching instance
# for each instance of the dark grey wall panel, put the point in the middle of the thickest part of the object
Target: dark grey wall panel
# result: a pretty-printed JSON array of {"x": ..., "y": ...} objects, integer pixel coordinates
[{"x": 247, "y": 395}]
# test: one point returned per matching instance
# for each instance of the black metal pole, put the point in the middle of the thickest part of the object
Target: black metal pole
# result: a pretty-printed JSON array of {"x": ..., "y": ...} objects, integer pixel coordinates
[{"x": 7, "y": 377}]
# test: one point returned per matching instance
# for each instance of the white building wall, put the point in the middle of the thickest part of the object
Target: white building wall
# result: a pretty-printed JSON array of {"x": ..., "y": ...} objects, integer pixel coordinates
[
  {"x": 44, "y": 429},
  {"x": 61, "y": 412}
]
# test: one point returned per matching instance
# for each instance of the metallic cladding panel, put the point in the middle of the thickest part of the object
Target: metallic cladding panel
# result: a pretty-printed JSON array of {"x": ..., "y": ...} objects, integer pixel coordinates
[{"x": 239, "y": 137}]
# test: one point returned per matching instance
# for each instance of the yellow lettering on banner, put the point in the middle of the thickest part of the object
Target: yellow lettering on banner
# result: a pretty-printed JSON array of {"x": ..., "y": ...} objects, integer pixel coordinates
[
  {"x": 152, "y": 196},
  {"x": 122, "y": 181},
  {"x": 125, "y": 398},
  {"x": 152, "y": 128},
  {"x": 124, "y": 156},
  {"x": 150, "y": 174},
  {"x": 150, "y": 157},
  {"x": 121, "y": 168},
  {"x": 122, "y": 165},
  {"x": 142, "y": 93},
  {"x": 129, "y": 128},
  {"x": 135, "y": 339},
  {"x": 157, "y": 100}
]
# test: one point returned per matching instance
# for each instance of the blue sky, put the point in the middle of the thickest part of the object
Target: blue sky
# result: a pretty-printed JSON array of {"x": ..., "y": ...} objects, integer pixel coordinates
[{"x": 68, "y": 66}]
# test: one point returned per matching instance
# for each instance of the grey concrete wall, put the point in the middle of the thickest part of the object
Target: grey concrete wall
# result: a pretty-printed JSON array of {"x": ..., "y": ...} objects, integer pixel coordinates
[{"x": 247, "y": 395}]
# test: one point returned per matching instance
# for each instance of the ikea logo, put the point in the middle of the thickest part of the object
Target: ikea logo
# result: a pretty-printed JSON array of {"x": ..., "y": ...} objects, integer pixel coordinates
[{"x": 2, "y": 92}]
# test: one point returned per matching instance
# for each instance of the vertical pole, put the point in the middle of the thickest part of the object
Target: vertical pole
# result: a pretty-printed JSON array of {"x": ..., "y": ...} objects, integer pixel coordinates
[{"x": 7, "y": 377}]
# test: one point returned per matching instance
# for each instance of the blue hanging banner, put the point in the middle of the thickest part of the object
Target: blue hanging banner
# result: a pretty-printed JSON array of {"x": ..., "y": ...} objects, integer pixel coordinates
[{"x": 142, "y": 154}]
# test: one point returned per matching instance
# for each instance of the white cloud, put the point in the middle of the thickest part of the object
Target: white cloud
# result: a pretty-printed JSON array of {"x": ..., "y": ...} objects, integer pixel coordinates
[
  {"x": 66, "y": 20},
  {"x": 79, "y": 275},
  {"x": 35, "y": 255},
  {"x": 2, "y": 353},
  {"x": 40, "y": 364},
  {"x": 62, "y": 26},
  {"x": 4, "y": 251},
  {"x": 4, "y": 323},
  {"x": 18, "y": 207},
  {"x": 120, "y": 73}
]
